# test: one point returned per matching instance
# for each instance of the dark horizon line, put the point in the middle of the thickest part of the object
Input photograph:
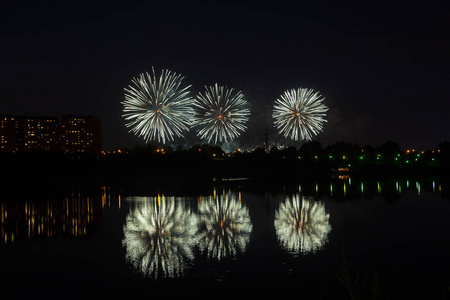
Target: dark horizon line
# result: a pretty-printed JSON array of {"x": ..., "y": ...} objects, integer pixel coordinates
[{"x": 298, "y": 147}]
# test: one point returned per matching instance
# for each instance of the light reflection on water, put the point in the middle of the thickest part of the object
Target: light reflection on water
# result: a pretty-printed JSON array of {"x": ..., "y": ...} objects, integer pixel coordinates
[
  {"x": 302, "y": 224},
  {"x": 225, "y": 225},
  {"x": 159, "y": 235},
  {"x": 31, "y": 219},
  {"x": 278, "y": 235},
  {"x": 78, "y": 216},
  {"x": 37, "y": 218},
  {"x": 161, "y": 232}
]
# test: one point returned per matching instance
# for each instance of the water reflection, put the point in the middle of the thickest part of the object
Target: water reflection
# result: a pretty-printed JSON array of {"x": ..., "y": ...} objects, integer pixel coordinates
[
  {"x": 355, "y": 187},
  {"x": 38, "y": 218},
  {"x": 225, "y": 225},
  {"x": 159, "y": 236},
  {"x": 301, "y": 224}
]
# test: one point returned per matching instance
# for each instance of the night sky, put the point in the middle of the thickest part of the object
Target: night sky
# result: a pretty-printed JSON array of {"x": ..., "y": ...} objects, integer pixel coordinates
[{"x": 382, "y": 67}]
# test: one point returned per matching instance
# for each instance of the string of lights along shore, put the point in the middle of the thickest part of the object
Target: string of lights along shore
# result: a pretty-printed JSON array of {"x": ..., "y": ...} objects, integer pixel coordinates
[{"x": 159, "y": 108}]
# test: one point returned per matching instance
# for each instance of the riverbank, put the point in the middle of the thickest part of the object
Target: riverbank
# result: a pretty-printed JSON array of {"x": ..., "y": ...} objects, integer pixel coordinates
[{"x": 37, "y": 173}]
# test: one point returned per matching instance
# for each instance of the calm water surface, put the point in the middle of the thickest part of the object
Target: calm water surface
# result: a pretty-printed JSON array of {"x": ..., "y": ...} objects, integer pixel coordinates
[{"x": 230, "y": 238}]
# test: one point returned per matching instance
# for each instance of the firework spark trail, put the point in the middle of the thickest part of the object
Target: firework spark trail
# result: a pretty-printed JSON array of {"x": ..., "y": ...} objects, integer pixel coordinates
[
  {"x": 220, "y": 114},
  {"x": 299, "y": 114},
  {"x": 158, "y": 108},
  {"x": 159, "y": 236},
  {"x": 226, "y": 226},
  {"x": 302, "y": 225}
]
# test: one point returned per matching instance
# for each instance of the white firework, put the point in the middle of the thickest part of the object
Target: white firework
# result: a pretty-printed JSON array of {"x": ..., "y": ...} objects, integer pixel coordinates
[
  {"x": 299, "y": 114},
  {"x": 301, "y": 224},
  {"x": 220, "y": 114},
  {"x": 158, "y": 108},
  {"x": 159, "y": 236},
  {"x": 225, "y": 226}
]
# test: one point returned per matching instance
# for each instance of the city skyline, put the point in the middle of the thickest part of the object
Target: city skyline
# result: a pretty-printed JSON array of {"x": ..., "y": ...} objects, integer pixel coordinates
[
  {"x": 382, "y": 68},
  {"x": 69, "y": 134},
  {"x": 52, "y": 138}
]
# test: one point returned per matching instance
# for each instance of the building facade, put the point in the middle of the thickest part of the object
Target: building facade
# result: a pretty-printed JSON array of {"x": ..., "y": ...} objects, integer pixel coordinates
[
  {"x": 70, "y": 134},
  {"x": 37, "y": 133},
  {"x": 7, "y": 133},
  {"x": 81, "y": 134}
]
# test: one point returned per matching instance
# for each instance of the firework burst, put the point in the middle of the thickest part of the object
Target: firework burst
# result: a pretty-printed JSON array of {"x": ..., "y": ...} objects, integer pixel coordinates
[
  {"x": 302, "y": 224},
  {"x": 225, "y": 226},
  {"x": 299, "y": 114},
  {"x": 220, "y": 114},
  {"x": 158, "y": 108},
  {"x": 159, "y": 236}
]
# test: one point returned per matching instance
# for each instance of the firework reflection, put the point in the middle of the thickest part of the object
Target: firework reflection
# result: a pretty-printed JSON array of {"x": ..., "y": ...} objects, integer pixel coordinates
[
  {"x": 225, "y": 226},
  {"x": 159, "y": 236},
  {"x": 301, "y": 224}
]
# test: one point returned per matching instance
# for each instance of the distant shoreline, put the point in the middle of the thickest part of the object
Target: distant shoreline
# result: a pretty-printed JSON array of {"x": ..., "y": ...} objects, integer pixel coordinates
[{"x": 28, "y": 171}]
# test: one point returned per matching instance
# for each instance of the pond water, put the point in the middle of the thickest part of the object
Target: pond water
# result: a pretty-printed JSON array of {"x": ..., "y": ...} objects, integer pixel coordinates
[{"x": 230, "y": 238}]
